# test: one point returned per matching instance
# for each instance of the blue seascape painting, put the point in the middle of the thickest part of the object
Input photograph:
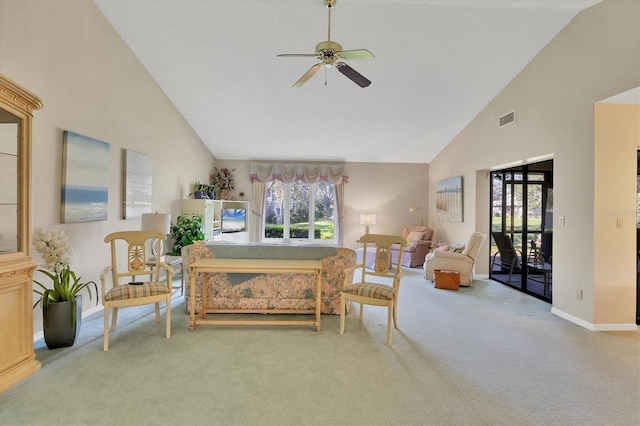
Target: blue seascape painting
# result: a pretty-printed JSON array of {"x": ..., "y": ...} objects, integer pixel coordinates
[{"x": 85, "y": 179}]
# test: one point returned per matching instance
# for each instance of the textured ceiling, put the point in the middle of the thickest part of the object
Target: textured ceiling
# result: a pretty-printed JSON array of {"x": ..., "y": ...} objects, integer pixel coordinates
[{"x": 437, "y": 64}]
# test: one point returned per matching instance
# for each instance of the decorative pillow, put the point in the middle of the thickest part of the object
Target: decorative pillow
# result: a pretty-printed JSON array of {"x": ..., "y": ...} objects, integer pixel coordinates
[
  {"x": 414, "y": 237},
  {"x": 458, "y": 247},
  {"x": 444, "y": 247}
]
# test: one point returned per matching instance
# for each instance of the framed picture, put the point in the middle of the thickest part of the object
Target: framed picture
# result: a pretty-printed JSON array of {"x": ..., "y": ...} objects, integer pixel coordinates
[
  {"x": 137, "y": 184},
  {"x": 449, "y": 198},
  {"x": 85, "y": 179}
]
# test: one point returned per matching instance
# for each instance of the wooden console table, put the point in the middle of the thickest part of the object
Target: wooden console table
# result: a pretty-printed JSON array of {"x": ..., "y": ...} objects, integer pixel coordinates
[{"x": 266, "y": 266}]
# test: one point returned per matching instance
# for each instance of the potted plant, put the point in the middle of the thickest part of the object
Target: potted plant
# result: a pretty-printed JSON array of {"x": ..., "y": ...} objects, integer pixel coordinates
[
  {"x": 198, "y": 191},
  {"x": 212, "y": 191},
  {"x": 223, "y": 180},
  {"x": 188, "y": 228},
  {"x": 62, "y": 304}
]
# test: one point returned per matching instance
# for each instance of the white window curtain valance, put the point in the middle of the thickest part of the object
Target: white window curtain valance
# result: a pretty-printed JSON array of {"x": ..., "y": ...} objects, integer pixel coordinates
[{"x": 310, "y": 173}]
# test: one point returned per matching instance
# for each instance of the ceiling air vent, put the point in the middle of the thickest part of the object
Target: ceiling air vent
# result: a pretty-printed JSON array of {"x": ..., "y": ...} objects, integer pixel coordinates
[{"x": 507, "y": 119}]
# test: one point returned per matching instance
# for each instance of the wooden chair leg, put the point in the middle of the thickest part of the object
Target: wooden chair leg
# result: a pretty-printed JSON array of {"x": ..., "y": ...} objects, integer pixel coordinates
[
  {"x": 114, "y": 318},
  {"x": 342, "y": 313},
  {"x": 168, "y": 316},
  {"x": 361, "y": 309},
  {"x": 105, "y": 340},
  {"x": 395, "y": 316},
  {"x": 389, "y": 319},
  {"x": 158, "y": 312}
]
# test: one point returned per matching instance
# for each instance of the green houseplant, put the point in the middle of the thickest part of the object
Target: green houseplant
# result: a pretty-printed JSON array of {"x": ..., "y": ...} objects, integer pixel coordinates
[
  {"x": 199, "y": 190},
  {"x": 62, "y": 303},
  {"x": 188, "y": 228}
]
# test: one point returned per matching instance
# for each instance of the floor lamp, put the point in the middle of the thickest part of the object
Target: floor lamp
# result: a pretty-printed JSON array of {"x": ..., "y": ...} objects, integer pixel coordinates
[{"x": 160, "y": 222}]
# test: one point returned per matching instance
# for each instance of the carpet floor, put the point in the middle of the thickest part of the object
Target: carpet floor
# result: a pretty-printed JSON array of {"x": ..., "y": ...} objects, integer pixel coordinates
[{"x": 484, "y": 355}]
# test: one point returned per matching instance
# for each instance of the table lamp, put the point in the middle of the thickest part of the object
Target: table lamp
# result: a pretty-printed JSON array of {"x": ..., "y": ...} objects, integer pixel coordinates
[
  {"x": 367, "y": 219},
  {"x": 160, "y": 222}
]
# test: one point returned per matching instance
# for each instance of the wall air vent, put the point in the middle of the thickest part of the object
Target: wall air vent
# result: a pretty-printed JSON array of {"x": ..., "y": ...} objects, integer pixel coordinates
[{"x": 507, "y": 119}]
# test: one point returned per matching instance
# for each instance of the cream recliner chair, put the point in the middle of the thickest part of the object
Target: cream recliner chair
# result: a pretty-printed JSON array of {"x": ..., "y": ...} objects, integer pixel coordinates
[{"x": 451, "y": 261}]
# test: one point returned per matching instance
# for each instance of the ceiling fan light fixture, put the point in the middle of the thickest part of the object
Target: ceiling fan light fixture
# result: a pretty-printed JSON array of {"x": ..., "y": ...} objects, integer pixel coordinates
[
  {"x": 328, "y": 46},
  {"x": 329, "y": 52}
]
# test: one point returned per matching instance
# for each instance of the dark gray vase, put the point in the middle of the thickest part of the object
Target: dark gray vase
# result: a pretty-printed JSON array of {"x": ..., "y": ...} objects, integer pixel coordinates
[{"x": 58, "y": 329}]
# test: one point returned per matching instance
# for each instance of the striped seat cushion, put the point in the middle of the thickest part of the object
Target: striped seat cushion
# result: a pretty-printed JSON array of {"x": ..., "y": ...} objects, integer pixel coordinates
[
  {"x": 126, "y": 291},
  {"x": 375, "y": 291}
]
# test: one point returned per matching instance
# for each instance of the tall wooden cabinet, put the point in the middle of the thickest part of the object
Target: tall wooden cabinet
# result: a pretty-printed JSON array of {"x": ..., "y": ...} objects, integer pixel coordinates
[{"x": 17, "y": 358}]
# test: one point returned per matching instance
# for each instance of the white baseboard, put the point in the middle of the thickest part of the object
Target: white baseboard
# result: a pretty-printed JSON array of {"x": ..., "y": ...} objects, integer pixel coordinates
[
  {"x": 40, "y": 335},
  {"x": 594, "y": 327}
]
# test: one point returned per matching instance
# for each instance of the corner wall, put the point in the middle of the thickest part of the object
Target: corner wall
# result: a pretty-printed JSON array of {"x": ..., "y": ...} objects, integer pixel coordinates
[
  {"x": 66, "y": 53},
  {"x": 595, "y": 56},
  {"x": 617, "y": 138}
]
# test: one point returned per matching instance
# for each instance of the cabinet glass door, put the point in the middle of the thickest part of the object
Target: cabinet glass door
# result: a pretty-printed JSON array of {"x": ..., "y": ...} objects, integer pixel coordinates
[{"x": 10, "y": 188}]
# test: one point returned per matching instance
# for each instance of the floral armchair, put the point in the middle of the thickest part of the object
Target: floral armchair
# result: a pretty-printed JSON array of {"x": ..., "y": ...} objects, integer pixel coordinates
[{"x": 419, "y": 243}]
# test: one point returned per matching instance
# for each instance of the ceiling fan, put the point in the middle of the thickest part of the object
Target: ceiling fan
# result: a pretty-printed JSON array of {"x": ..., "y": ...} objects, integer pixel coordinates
[{"x": 330, "y": 54}]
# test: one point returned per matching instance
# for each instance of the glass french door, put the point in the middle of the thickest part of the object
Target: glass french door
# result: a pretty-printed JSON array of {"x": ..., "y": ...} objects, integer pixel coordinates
[{"x": 522, "y": 209}]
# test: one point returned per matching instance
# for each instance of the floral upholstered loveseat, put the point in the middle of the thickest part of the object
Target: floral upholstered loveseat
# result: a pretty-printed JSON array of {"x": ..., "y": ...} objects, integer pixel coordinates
[{"x": 268, "y": 291}]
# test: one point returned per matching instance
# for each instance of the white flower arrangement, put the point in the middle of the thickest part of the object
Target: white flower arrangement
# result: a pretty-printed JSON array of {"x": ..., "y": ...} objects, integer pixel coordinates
[
  {"x": 54, "y": 246},
  {"x": 56, "y": 251}
]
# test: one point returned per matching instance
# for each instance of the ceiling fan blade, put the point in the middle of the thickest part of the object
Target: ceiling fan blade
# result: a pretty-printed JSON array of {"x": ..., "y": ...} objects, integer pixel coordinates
[
  {"x": 356, "y": 54},
  {"x": 297, "y": 55},
  {"x": 314, "y": 69},
  {"x": 352, "y": 74}
]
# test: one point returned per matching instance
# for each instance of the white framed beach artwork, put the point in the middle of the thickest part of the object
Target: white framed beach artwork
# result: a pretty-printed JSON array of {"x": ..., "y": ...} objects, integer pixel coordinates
[
  {"x": 137, "y": 184},
  {"x": 85, "y": 179},
  {"x": 449, "y": 200}
]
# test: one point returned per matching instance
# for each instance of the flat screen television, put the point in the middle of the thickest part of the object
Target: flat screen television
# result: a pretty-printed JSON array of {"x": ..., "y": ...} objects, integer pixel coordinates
[{"x": 234, "y": 220}]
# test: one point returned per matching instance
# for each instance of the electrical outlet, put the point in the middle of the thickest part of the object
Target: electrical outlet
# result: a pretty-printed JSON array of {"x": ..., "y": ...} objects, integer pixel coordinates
[
  {"x": 561, "y": 220},
  {"x": 579, "y": 294}
]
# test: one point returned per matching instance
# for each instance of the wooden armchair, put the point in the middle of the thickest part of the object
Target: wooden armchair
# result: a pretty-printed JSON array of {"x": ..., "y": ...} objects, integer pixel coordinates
[
  {"x": 378, "y": 286},
  {"x": 129, "y": 268}
]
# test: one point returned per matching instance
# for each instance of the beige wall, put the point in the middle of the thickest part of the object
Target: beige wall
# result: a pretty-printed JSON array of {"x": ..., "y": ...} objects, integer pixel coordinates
[
  {"x": 596, "y": 56},
  {"x": 66, "y": 53},
  {"x": 617, "y": 138}
]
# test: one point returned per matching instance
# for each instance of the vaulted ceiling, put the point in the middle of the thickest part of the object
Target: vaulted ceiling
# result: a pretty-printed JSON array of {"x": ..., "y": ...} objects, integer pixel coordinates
[{"x": 437, "y": 64}]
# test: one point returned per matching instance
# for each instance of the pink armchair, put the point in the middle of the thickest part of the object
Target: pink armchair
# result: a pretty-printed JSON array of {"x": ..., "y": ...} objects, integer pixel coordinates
[{"x": 419, "y": 243}]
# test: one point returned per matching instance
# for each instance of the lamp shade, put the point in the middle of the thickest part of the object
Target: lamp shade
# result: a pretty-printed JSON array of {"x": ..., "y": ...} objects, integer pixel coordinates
[
  {"x": 418, "y": 209},
  {"x": 160, "y": 222},
  {"x": 367, "y": 219}
]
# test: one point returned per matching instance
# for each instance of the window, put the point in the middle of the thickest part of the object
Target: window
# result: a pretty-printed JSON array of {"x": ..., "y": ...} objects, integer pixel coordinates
[{"x": 300, "y": 211}]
